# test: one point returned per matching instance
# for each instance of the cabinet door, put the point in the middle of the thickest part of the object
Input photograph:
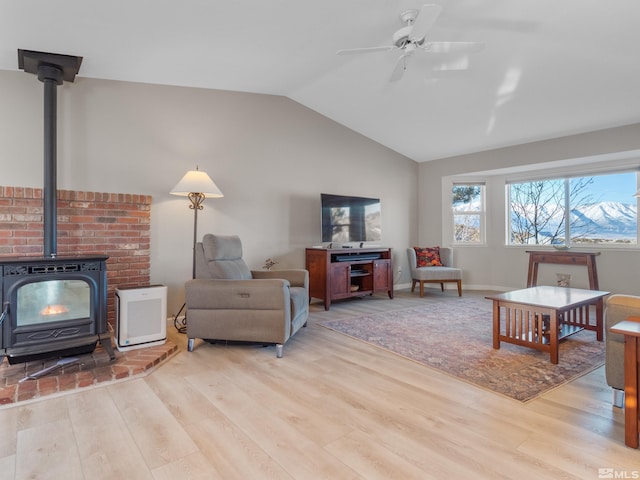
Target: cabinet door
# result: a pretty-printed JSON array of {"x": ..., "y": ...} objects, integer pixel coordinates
[
  {"x": 382, "y": 275},
  {"x": 317, "y": 267},
  {"x": 340, "y": 280}
]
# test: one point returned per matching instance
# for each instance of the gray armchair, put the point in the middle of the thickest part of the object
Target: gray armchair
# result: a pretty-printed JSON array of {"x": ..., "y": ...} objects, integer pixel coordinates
[
  {"x": 618, "y": 308},
  {"x": 227, "y": 301},
  {"x": 441, "y": 275}
]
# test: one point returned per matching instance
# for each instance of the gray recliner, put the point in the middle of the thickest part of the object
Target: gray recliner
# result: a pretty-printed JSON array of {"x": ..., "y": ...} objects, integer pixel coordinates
[
  {"x": 227, "y": 301},
  {"x": 441, "y": 275},
  {"x": 617, "y": 309}
]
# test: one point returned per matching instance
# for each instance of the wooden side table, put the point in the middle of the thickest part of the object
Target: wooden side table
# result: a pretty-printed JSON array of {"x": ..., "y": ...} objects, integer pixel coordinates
[
  {"x": 631, "y": 331},
  {"x": 588, "y": 259}
]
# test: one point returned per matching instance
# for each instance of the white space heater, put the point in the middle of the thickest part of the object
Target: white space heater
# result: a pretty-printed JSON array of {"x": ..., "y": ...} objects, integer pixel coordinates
[{"x": 141, "y": 317}]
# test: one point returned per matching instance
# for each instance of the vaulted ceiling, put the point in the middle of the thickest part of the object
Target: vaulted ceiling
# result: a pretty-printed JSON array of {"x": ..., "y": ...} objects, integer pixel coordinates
[{"x": 548, "y": 68}]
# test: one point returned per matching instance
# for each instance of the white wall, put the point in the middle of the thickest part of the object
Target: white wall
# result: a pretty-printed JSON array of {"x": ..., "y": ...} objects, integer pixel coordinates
[
  {"x": 496, "y": 266},
  {"x": 270, "y": 156}
]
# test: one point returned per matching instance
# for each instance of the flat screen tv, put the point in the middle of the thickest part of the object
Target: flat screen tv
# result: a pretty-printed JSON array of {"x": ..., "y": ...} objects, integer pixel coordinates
[{"x": 350, "y": 219}]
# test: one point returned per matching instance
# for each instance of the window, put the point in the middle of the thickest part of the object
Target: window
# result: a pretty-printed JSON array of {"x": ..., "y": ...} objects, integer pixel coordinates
[
  {"x": 468, "y": 213},
  {"x": 598, "y": 209}
]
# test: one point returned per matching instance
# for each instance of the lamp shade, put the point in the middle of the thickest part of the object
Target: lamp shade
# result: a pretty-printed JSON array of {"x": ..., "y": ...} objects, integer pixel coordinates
[{"x": 196, "y": 181}]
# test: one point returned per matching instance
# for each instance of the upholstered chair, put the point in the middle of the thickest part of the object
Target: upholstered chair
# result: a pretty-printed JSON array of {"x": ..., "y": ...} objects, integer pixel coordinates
[
  {"x": 617, "y": 309},
  {"x": 437, "y": 274},
  {"x": 229, "y": 302}
]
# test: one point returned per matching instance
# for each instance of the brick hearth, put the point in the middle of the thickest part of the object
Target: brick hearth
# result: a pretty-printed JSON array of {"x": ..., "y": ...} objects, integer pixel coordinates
[{"x": 92, "y": 369}]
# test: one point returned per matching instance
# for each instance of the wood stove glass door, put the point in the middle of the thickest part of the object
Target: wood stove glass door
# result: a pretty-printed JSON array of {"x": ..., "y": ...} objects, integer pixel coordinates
[{"x": 52, "y": 301}]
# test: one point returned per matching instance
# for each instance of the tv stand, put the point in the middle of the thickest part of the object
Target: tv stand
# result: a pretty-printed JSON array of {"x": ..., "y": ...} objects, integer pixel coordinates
[{"x": 336, "y": 274}]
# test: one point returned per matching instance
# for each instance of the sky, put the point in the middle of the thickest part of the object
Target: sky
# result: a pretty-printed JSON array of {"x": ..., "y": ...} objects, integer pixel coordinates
[{"x": 617, "y": 188}]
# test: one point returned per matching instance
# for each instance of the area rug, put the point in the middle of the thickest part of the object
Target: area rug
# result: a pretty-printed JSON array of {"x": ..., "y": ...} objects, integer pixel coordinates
[{"x": 456, "y": 338}]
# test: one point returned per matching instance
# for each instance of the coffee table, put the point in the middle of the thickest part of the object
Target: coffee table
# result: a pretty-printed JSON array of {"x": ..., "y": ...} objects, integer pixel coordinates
[{"x": 540, "y": 317}]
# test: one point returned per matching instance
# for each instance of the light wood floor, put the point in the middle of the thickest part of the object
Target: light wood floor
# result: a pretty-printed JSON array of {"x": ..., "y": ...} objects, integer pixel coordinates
[{"x": 332, "y": 407}]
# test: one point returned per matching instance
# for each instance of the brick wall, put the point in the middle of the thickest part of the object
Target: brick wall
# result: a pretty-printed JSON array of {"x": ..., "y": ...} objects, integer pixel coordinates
[{"x": 113, "y": 224}]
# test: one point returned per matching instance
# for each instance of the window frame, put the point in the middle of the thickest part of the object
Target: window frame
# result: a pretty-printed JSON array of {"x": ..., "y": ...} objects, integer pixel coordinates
[
  {"x": 567, "y": 178},
  {"x": 481, "y": 213}
]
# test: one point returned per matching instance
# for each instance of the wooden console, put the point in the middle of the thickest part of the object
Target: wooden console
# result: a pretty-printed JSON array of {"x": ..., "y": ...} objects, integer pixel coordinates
[
  {"x": 337, "y": 273},
  {"x": 588, "y": 259}
]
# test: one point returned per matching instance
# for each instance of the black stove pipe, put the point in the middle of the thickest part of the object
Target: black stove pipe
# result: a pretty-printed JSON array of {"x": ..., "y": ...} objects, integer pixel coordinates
[
  {"x": 52, "y": 69},
  {"x": 51, "y": 76}
]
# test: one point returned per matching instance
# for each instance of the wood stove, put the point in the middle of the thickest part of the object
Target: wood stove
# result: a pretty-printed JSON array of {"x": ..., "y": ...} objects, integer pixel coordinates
[{"x": 52, "y": 305}]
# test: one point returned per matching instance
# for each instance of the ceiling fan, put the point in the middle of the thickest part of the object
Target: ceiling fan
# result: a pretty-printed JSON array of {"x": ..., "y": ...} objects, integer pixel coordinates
[{"x": 412, "y": 37}]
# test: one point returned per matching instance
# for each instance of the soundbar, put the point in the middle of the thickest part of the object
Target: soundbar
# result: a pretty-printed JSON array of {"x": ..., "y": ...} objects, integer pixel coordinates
[{"x": 357, "y": 257}]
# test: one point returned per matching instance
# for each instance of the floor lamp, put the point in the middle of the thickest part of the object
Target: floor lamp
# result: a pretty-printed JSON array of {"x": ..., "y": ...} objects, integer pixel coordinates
[{"x": 196, "y": 185}]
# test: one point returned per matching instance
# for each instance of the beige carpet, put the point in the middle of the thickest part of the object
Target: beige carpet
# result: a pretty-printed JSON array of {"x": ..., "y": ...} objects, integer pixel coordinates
[{"x": 456, "y": 338}]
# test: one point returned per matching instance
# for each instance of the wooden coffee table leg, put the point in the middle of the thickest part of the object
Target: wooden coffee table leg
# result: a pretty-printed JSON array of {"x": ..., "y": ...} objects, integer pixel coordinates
[
  {"x": 599, "y": 320},
  {"x": 554, "y": 344},
  {"x": 496, "y": 324}
]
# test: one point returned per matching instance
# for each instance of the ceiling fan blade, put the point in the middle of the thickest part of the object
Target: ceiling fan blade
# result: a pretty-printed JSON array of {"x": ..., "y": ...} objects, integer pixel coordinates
[
  {"x": 452, "y": 47},
  {"x": 355, "y": 51},
  {"x": 424, "y": 21},
  {"x": 401, "y": 66}
]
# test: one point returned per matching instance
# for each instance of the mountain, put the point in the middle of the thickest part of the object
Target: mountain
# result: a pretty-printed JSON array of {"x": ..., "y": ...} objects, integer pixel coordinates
[
  {"x": 608, "y": 220},
  {"x": 601, "y": 221}
]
